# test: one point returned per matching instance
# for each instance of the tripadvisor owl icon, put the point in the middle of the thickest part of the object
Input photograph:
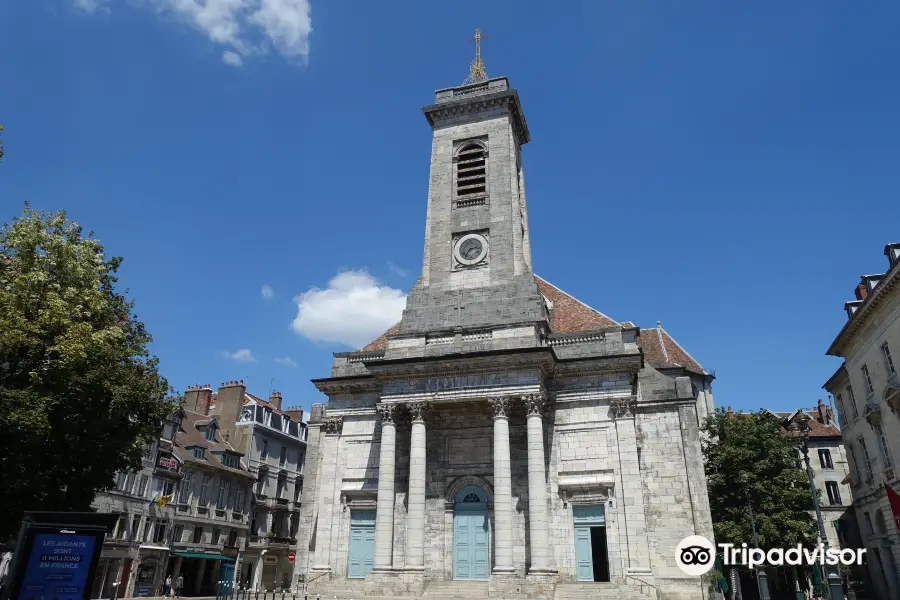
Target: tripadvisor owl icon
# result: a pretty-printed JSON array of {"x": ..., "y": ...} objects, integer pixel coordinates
[{"x": 695, "y": 555}]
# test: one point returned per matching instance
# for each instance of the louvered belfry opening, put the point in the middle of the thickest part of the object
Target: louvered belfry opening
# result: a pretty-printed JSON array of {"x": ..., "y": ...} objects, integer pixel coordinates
[{"x": 471, "y": 171}]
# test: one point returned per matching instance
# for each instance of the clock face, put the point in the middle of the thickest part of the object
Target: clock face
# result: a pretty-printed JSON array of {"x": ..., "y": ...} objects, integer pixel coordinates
[{"x": 470, "y": 250}]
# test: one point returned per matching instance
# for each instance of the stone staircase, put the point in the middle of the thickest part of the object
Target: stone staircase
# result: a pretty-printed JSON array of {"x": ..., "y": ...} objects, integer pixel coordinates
[
  {"x": 603, "y": 591},
  {"x": 456, "y": 590}
]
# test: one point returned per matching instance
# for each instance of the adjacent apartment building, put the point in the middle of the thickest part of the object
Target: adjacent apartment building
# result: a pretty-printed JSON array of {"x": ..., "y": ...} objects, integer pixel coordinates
[
  {"x": 272, "y": 443},
  {"x": 866, "y": 391}
]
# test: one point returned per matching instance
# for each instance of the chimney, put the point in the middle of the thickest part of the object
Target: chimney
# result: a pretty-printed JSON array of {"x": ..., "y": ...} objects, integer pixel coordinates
[
  {"x": 275, "y": 400},
  {"x": 823, "y": 414},
  {"x": 730, "y": 413},
  {"x": 861, "y": 292},
  {"x": 197, "y": 398},
  {"x": 295, "y": 413}
]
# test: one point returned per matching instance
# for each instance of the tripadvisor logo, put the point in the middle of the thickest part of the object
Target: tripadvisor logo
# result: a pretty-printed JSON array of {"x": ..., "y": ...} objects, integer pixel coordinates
[{"x": 695, "y": 555}]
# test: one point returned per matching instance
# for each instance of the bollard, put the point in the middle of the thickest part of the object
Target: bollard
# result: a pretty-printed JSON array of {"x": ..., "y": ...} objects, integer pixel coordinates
[
  {"x": 257, "y": 595},
  {"x": 282, "y": 593}
]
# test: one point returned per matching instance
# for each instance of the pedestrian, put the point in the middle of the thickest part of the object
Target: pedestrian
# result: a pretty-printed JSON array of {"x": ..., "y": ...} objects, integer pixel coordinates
[
  {"x": 179, "y": 584},
  {"x": 167, "y": 586}
]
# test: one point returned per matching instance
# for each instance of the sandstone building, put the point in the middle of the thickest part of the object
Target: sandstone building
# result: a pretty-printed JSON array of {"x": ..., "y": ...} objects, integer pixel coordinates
[
  {"x": 866, "y": 391},
  {"x": 504, "y": 437}
]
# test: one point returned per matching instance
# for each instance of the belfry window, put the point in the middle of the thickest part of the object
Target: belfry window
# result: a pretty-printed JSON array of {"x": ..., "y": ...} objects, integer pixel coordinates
[{"x": 471, "y": 171}]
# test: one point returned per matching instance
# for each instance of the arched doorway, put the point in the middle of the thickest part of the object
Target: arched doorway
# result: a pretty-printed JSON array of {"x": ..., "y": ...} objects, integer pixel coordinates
[{"x": 471, "y": 554}]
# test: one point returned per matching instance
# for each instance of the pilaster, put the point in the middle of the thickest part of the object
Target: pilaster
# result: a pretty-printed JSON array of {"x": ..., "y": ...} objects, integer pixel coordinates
[
  {"x": 633, "y": 513},
  {"x": 331, "y": 431}
]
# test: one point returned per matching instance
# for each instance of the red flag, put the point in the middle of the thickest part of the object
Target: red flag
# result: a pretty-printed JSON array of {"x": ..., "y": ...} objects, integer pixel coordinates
[{"x": 894, "y": 498}]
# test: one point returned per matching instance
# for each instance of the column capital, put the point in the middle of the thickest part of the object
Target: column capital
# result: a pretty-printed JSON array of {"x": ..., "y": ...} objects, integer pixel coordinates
[
  {"x": 332, "y": 424},
  {"x": 388, "y": 413},
  {"x": 536, "y": 404},
  {"x": 418, "y": 410},
  {"x": 623, "y": 408},
  {"x": 500, "y": 406}
]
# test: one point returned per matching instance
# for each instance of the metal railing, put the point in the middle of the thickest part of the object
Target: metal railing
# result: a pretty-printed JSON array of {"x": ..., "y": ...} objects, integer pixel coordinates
[{"x": 225, "y": 590}]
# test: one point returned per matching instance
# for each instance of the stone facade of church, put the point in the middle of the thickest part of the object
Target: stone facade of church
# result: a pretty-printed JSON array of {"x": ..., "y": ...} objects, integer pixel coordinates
[{"x": 503, "y": 436}]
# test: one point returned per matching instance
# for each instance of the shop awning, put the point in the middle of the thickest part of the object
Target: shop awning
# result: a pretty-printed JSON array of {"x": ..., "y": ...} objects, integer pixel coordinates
[{"x": 201, "y": 555}]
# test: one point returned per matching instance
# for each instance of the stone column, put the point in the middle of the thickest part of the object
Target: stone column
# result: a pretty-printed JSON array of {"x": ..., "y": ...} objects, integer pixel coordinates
[
  {"x": 384, "y": 516},
  {"x": 197, "y": 584},
  {"x": 538, "y": 515},
  {"x": 415, "y": 512},
  {"x": 257, "y": 572},
  {"x": 331, "y": 428},
  {"x": 503, "y": 515},
  {"x": 632, "y": 488}
]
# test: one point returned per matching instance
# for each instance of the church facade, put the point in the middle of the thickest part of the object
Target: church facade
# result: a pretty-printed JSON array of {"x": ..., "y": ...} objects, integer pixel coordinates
[{"x": 504, "y": 438}]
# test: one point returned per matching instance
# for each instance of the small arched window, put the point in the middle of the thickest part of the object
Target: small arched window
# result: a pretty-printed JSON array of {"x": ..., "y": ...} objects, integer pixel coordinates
[
  {"x": 471, "y": 498},
  {"x": 471, "y": 171}
]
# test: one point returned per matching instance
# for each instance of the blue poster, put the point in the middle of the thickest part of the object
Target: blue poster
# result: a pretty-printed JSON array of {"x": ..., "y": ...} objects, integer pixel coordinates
[{"x": 58, "y": 567}]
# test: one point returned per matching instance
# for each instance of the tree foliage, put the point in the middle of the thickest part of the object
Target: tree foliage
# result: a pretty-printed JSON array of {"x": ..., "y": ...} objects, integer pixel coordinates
[
  {"x": 749, "y": 454},
  {"x": 80, "y": 394}
]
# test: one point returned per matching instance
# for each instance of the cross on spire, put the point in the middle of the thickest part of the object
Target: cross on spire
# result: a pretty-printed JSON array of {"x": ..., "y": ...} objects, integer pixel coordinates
[{"x": 476, "y": 69}]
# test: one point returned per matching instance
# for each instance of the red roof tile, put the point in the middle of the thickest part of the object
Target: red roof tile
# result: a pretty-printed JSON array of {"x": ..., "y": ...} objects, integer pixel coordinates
[
  {"x": 568, "y": 315},
  {"x": 816, "y": 427}
]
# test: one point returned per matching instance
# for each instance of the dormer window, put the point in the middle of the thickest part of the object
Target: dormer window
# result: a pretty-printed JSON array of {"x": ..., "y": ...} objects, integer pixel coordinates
[
  {"x": 210, "y": 433},
  {"x": 471, "y": 173},
  {"x": 230, "y": 460},
  {"x": 199, "y": 452}
]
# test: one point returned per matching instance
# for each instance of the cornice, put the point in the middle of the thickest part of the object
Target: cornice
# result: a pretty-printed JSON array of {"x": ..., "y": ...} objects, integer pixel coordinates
[
  {"x": 347, "y": 385},
  {"x": 859, "y": 318},
  {"x": 466, "y": 105}
]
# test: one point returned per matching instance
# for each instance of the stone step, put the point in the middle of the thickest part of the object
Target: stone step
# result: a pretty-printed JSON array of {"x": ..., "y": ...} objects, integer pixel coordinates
[
  {"x": 456, "y": 590},
  {"x": 602, "y": 591}
]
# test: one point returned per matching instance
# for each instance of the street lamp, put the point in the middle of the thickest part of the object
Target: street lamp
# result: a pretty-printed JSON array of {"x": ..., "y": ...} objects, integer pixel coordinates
[
  {"x": 762, "y": 578},
  {"x": 835, "y": 586}
]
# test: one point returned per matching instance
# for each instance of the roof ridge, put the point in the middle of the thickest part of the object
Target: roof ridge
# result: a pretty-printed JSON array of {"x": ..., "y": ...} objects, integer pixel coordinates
[
  {"x": 559, "y": 289},
  {"x": 680, "y": 347}
]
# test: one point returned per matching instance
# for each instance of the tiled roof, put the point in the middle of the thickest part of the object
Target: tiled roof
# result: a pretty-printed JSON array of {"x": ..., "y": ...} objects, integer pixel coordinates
[
  {"x": 816, "y": 427},
  {"x": 248, "y": 397},
  {"x": 662, "y": 351},
  {"x": 569, "y": 315},
  {"x": 189, "y": 435}
]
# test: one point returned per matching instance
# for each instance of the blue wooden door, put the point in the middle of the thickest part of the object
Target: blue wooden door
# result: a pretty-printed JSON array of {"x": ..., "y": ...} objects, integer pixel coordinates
[
  {"x": 585, "y": 517},
  {"x": 361, "y": 555},
  {"x": 584, "y": 566},
  {"x": 471, "y": 549}
]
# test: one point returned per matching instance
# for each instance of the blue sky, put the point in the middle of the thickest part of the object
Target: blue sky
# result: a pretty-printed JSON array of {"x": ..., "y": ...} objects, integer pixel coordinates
[{"x": 727, "y": 168}]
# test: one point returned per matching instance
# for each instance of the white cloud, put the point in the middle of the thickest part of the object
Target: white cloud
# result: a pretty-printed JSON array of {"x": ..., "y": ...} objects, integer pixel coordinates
[
  {"x": 242, "y": 355},
  {"x": 396, "y": 269},
  {"x": 90, "y": 6},
  {"x": 353, "y": 310},
  {"x": 244, "y": 27},
  {"x": 285, "y": 361},
  {"x": 267, "y": 291},
  {"x": 232, "y": 58}
]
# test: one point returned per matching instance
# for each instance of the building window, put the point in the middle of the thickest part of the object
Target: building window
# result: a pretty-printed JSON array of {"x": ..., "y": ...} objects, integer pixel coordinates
[
  {"x": 869, "y": 529},
  {"x": 261, "y": 482},
  {"x": 167, "y": 487},
  {"x": 839, "y": 400},
  {"x": 238, "y": 505},
  {"x": 145, "y": 533},
  {"x": 297, "y": 488},
  {"x": 142, "y": 486},
  {"x": 159, "y": 532},
  {"x": 867, "y": 463},
  {"x": 129, "y": 483},
  {"x": 223, "y": 494},
  {"x": 885, "y": 449},
  {"x": 279, "y": 490},
  {"x": 888, "y": 361},
  {"x": 868, "y": 379},
  {"x": 210, "y": 433},
  {"x": 177, "y": 533},
  {"x": 198, "y": 535},
  {"x": 232, "y": 539},
  {"x": 834, "y": 493},
  {"x": 216, "y": 534},
  {"x": 135, "y": 527},
  {"x": 471, "y": 171},
  {"x": 231, "y": 461},
  {"x": 204, "y": 490},
  {"x": 825, "y": 459},
  {"x": 283, "y": 457},
  {"x": 199, "y": 452},
  {"x": 184, "y": 492},
  {"x": 853, "y": 409},
  {"x": 264, "y": 452}
]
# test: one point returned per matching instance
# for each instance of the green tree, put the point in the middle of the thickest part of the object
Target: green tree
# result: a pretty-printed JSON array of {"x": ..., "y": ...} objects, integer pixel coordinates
[
  {"x": 749, "y": 454},
  {"x": 80, "y": 394}
]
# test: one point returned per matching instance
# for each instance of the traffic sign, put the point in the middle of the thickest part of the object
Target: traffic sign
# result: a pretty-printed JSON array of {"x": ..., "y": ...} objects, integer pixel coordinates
[{"x": 291, "y": 556}]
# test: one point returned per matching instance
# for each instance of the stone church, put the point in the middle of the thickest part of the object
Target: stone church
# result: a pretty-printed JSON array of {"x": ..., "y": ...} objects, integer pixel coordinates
[{"x": 504, "y": 439}]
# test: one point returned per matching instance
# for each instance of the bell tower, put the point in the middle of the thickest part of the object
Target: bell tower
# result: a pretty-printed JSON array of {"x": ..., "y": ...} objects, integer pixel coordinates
[{"x": 476, "y": 269}]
